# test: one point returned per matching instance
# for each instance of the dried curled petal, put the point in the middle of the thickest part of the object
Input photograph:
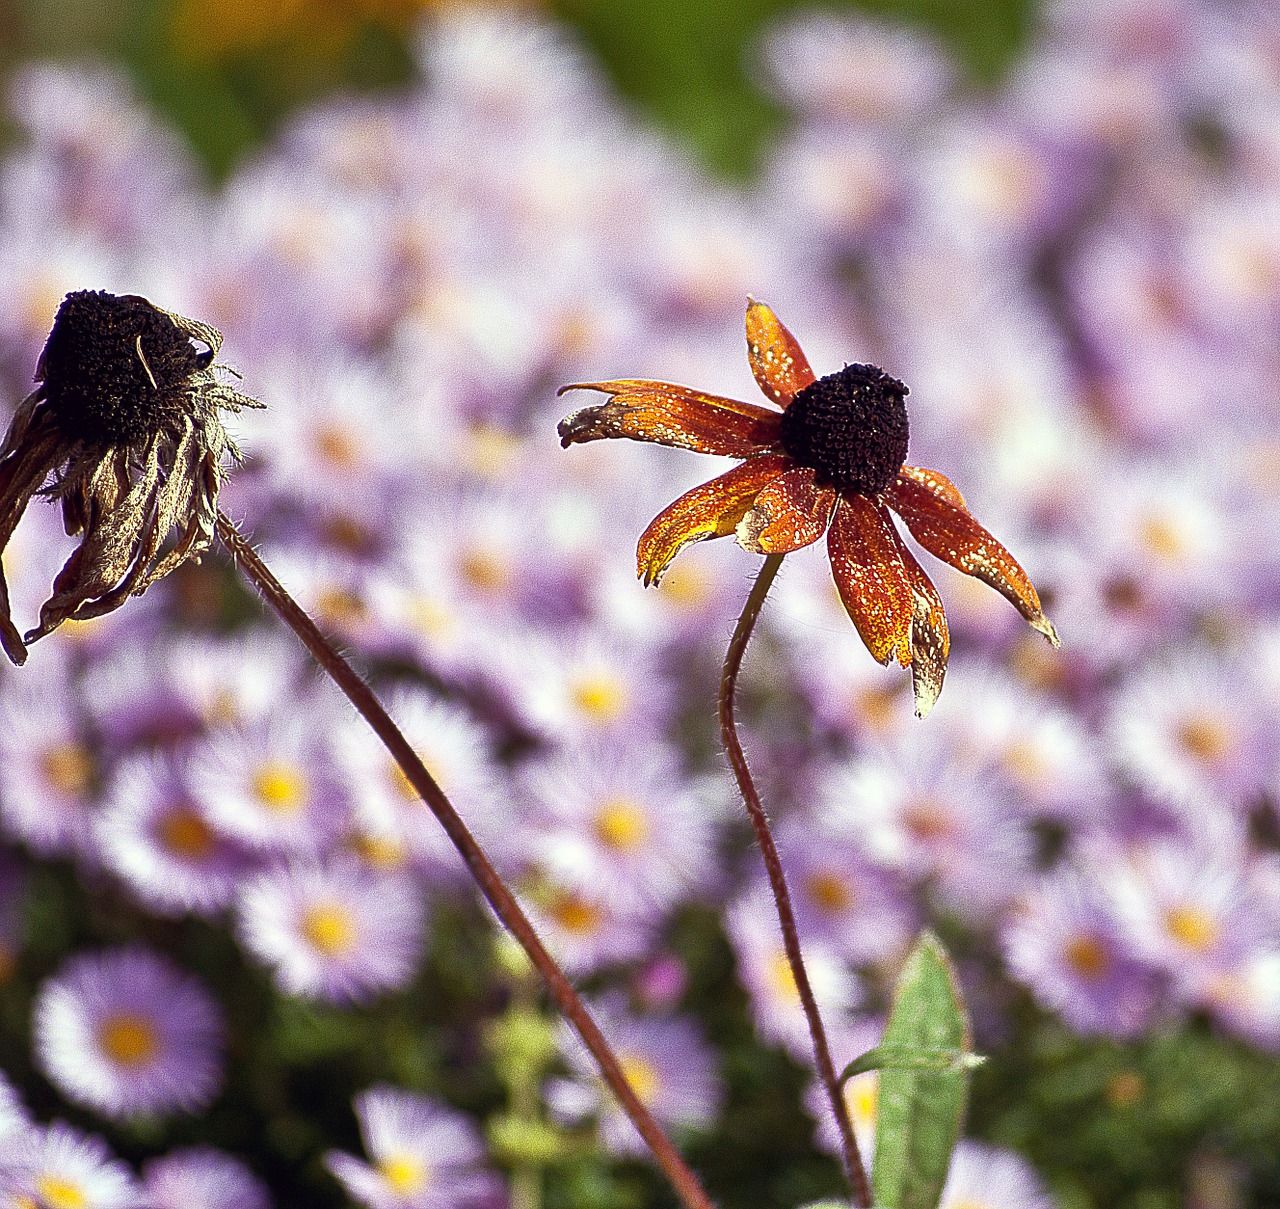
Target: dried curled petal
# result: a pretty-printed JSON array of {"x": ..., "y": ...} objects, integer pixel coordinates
[
  {"x": 712, "y": 509},
  {"x": 872, "y": 578},
  {"x": 667, "y": 414},
  {"x": 930, "y": 635},
  {"x": 780, "y": 367},
  {"x": 790, "y": 513},
  {"x": 949, "y": 532}
]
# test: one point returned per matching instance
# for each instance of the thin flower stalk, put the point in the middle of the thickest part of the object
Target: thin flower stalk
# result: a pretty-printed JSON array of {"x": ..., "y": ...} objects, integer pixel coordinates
[
  {"x": 503, "y": 902},
  {"x": 854, "y": 1167}
]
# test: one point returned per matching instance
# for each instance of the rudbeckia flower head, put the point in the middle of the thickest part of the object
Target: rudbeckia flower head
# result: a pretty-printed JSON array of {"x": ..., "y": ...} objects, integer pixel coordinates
[
  {"x": 123, "y": 428},
  {"x": 832, "y": 461}
]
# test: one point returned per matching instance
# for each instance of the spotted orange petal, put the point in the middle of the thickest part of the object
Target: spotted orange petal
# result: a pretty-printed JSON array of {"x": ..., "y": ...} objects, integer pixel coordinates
[
  {"x": 778, "y": 362},
  {"x": 948, "y": 531},
  {"x": 871, "y": 577},
  {"x": 790, "y": 513},
  {"x": 935, "y": 483},
  {"x": 930, "y": 636},
  {"x": 711, "y": 509},
  {"x": 668, "y": 414}
]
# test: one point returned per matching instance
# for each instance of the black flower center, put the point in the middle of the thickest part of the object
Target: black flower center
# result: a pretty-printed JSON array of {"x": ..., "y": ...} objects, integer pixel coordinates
[
  {"x": 851, "y": 427},
  {"x": 114, "y": 368}
]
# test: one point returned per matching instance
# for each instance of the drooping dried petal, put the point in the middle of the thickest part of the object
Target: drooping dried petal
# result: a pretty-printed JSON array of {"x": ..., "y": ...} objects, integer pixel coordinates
[
  {"x": 790, "y": 513},
  {"x": 872, "y": 578},
  {"x": 949, "y": 532},
  {"x": 712, "y": 509},
  {"x": 781, "y": 369},
  {"x": 667, "y": 414},
  {"x": 930, "y": 635}
]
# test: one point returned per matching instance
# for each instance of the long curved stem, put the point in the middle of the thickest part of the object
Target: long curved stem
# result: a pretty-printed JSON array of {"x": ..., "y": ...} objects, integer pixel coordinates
[
  {"x": 486, "y": 876},
  {"x": 777, "y": 880}
]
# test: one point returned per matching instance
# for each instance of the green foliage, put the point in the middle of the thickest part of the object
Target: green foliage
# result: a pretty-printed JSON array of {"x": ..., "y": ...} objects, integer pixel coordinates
[
  {"x": 921, "y": 1106},
  {"x": 1118, "y": 1125}
]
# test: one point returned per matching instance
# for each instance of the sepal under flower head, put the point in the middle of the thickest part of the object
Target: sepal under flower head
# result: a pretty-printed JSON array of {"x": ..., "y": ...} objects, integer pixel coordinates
[{"x": 123, "y": 428}]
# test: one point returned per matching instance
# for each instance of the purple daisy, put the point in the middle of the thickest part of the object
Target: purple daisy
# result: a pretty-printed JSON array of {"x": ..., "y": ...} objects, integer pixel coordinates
[
  {"x": 127, "y": 1033},
  {"x": 625, "y": 815},
  {"x": 840, "y": 896},
  {"x": 202, "y": 1178},
  {"x": 667, "y": 1062},
  {"x": 986, "y": 1177},
  {"x": 456, "y": 751},
  {"x": 60, "y": 1166},
  {"x": 48, "y": 772},
  {"x": 1069, "y": 947},
  {"x": 154, "y": 836},
  {"x": 334, "y": 931},
  {"x": 766, "y": 974},
  {"x": 1190, "y": 909},
  {"x": 1196, "y": 732},
  {"x": 423, "y": 1155},
  {"x": 273, "y": 786}
]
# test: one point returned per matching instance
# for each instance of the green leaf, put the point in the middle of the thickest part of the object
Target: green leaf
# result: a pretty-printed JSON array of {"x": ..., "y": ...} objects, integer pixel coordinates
[
  {"x": 920, "y": 1109},
  {"x": 911, "y": 1057}
]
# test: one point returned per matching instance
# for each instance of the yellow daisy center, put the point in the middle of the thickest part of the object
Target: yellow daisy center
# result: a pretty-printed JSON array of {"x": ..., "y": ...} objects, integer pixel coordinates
[
  {"x": 831, "y": 893},
  {"x": 1192, "y": 927},
  {"x": 57, "y": 1193},
  {"x": 280, "y": 787},
  {"x": 1024, "y": 762},
  {"x": 1125, "y": 1089},
  {"x": 431, "y": 617},
  {"x": 621, "y": 825},
  {"x": 381, "y": 851},
  {"x": 1207, "y": 739},
  {"x": 339, "y": 606},
  {"x": 401, "y": 783},
  {"x": 575, "y": 914},
  {"x": 1162, "y": 538},
  {"x": 490, "y": 450},
  {"x": 862, "y": 1095},
  {"x": 67, "y": 768},
  {"x": 927, "y": 821},
  {"x": 336, "y": 446},
  {"x": 600, "y": 696},
  {"x": 642, "y": 1075},
  {"x": 685, "y": 585},
  {"x": 128, "y": 1039},
  {"x": 781, "y": 979},
  {"x": 1087, "y": 956},
  {"x": 183, "y": 832},
  {"x": 485, "y": 572},
  {"x": 406, "y": 1174},
  {"x": 329, "y": 927}
]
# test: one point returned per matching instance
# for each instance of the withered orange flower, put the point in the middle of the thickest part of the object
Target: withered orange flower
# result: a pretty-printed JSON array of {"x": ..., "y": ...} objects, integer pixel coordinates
[{"x": 831, "y": 461}]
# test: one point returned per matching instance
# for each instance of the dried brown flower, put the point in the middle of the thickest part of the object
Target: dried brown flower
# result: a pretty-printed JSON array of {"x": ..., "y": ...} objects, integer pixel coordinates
[{"x": 123, "y": 428}]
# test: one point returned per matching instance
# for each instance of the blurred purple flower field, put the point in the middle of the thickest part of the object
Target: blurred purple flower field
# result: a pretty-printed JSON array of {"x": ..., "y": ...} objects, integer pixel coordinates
[{"x": 214, "y": 881}]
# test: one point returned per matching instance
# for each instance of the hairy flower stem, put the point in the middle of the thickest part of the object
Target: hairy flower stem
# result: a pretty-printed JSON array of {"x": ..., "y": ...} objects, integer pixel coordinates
[
  {"x": 777, "y": 879},
  {"x": 486, "y": 876}
]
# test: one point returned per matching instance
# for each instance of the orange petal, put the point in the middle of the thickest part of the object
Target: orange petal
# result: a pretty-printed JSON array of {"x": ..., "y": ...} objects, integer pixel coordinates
[
  {"x": 790, "y": 513},
  {"x": 871, "y": 577},
  {"x": 950, "y": 533},
  {"x": 935, "y": 483},
  {"x": 672, "y": 415},
  {"x": 711, "y": 509},
  {"x": 930, "y": 636},
  {"x": 779, "y": 364}
]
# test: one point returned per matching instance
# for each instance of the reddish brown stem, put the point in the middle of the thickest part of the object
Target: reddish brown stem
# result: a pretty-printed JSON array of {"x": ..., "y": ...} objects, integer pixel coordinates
[
  {"x": 777, "y": 879},
  {"x": 487, "y": 878}
]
